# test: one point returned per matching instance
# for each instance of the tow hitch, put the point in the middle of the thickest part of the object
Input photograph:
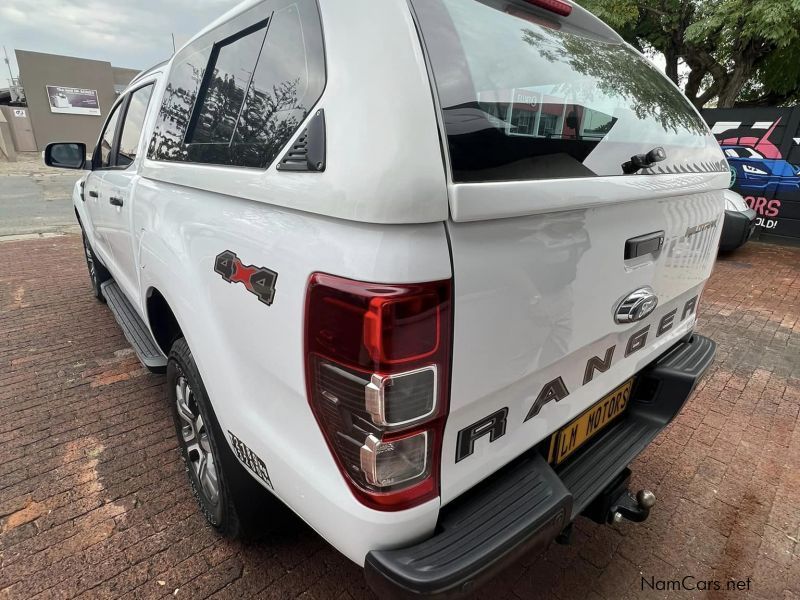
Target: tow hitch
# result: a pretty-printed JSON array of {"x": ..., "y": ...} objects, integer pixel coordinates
[
  {"x": 634, "y": 509},
  {"x": 617, "y": 502}
]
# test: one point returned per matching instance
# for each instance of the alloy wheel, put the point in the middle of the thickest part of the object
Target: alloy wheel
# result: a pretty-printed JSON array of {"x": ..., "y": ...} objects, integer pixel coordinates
[
  {"x": 89, "y": 261},
  {"x": 194, "y": 436}
]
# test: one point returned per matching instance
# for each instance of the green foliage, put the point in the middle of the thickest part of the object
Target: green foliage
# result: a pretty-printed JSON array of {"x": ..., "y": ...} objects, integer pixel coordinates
[
  {"x": 620, "y": 14},
  {"x": 738, "y": 22},
  {"x": 742, "y": 51}
]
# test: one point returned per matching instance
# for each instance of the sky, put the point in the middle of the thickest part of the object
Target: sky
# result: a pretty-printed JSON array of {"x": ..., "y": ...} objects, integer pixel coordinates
[{"x": 133, "y": 34}]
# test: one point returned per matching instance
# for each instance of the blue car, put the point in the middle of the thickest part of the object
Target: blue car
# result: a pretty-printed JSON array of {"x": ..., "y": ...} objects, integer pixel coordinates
[{"x": 753, "y": 174}]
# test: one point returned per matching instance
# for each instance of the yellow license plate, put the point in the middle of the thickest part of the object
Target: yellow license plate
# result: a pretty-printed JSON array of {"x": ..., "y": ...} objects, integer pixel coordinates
[{"x": 568, "y": 439}]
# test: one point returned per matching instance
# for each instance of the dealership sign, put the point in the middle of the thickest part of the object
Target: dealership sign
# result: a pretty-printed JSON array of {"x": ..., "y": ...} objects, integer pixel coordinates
[
  {"x": 73, "y": 101},
  {"x": 762, "y": 148}
]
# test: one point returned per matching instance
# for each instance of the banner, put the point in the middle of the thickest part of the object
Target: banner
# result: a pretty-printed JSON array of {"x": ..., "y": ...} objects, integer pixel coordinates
[
  {"x": 74, "y": 101},
  {"x": 762, "y": 146}
]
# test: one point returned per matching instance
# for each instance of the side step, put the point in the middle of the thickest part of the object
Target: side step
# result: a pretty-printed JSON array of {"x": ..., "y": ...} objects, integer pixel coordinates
[{"x": 134, "y": 328}]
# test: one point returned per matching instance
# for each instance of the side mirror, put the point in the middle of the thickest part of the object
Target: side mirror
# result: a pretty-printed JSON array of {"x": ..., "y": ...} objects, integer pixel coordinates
[{"x": 65, "y": 155}]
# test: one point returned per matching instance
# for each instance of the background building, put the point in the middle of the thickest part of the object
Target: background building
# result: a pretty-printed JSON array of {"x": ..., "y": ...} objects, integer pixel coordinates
[{"x": 67, "y": 99}]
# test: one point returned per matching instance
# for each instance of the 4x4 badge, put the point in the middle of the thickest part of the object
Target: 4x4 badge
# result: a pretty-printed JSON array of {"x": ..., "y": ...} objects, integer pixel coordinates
[
  {"x": 636, "y": 306},
  {"x": 258, "y": 280}
]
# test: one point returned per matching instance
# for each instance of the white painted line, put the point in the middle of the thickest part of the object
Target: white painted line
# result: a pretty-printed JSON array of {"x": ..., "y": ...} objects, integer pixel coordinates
[
  {"x": 723, "y": 126},
  {"x": 18, "y": 237}
]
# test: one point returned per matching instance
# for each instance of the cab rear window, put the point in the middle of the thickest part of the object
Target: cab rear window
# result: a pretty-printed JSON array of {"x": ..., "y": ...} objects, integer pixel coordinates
[{"x": 525, "y": 95}]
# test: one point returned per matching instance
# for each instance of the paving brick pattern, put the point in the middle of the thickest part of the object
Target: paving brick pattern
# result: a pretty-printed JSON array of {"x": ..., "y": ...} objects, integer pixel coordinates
[{"x": 94, "y": 501}]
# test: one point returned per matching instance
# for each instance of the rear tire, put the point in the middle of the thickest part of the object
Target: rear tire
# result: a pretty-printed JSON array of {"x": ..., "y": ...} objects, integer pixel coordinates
[
  {"x": 232, "y": 501},
  {"x": 98, "y": 274}
]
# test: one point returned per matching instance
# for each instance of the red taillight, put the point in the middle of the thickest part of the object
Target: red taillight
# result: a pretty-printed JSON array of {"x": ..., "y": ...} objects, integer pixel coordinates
[
  {"x": 559, "y": 7},
  {"x": 377, "y": 371}
]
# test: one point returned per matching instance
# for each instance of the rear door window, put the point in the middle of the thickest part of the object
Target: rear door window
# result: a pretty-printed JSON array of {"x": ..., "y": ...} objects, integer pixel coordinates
[{"x": 527, "y": 96}]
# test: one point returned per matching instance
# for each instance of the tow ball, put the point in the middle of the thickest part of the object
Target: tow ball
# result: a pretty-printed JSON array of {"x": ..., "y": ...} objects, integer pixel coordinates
[
  {"x": 616, "y": 502},
  {"x": 632, "y": 508}
]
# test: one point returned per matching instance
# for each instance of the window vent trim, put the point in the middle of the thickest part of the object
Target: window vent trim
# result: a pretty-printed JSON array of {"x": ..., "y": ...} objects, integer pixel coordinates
[{"x": 307, "y": 153}]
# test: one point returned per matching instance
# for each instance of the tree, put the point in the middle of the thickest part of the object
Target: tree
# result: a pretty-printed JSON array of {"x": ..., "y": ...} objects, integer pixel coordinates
[
  {"x": 739, "y": 52},
  {"x": 655, "y": 98}
]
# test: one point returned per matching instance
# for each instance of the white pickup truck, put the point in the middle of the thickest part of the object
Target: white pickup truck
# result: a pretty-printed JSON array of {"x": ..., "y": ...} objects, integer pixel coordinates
[{"x": 425, "y": 270}]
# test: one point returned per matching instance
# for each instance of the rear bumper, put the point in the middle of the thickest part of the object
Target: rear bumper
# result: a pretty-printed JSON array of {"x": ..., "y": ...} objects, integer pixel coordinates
[
  {"x": 737, "y": 228},
  {"x": 521, "y": 509}
]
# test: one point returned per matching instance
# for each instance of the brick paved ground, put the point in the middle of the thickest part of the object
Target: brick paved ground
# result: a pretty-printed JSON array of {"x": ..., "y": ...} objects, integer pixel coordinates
[{"x": 94, "y": 502}]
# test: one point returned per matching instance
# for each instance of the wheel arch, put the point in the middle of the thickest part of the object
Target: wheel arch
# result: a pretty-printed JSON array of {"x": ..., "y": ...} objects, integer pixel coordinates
[{"x": 162, "y": 320}]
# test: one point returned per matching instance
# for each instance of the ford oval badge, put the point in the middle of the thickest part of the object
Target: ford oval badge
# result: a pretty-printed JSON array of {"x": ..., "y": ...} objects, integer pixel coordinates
[{"x": 636, "y": 306}]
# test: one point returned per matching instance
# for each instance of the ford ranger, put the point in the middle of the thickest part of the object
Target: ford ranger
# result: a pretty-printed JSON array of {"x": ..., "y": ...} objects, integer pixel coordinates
[{"x": 425, "y": 272}]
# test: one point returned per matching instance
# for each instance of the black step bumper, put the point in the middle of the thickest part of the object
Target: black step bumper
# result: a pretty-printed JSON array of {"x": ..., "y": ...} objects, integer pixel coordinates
[
  {"x": 521, "y": 509},
  {"x": 737, "y": 228}
]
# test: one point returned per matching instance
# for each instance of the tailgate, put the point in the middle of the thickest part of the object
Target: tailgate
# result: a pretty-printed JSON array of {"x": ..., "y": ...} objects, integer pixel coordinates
[
  {"x": 580, "y": 177},
  {"x": 535, "y": 340}
]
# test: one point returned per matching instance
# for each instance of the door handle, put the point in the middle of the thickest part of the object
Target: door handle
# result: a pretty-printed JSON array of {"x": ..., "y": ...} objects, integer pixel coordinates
[
  {"x": 115, "y": 201},
  {"x": 644, "y": 244},
  {"x": 92, "y": 193}
]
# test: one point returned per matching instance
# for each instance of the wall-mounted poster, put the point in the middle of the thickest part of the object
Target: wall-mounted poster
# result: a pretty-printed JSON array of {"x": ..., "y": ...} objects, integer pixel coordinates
[
  {"x": 74, "y": 101},
  {"x": 762, "y": 146}
]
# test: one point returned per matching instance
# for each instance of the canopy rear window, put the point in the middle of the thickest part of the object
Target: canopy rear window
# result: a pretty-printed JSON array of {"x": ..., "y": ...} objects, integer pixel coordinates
[{"x": 527, "y": 96}]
